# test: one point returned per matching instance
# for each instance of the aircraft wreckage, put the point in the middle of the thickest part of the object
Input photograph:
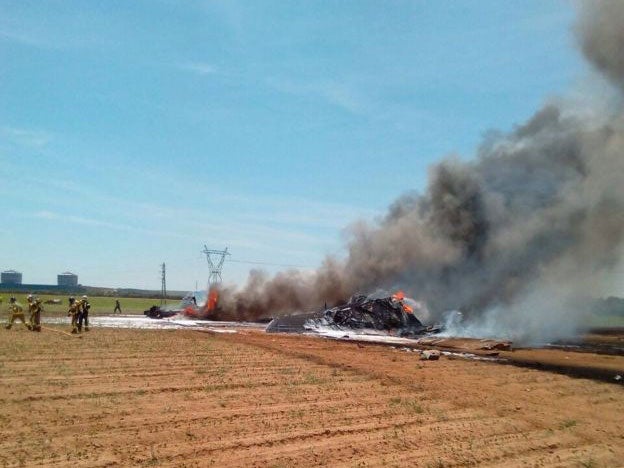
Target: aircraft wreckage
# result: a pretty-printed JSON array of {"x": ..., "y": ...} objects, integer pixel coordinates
[{"x": 391, "y": 314}]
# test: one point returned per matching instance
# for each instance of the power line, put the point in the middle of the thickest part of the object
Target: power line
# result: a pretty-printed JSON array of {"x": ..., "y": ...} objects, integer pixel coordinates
[
  {"x": 216, "y": 259},
  {"x": 286, "y": 265}
]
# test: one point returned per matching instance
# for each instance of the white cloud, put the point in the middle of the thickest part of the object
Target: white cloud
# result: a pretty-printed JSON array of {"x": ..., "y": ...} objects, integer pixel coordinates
[
  {"x": 46, "y": 215},
  {"x": 292, "y": 230},
  {"x": 61, "y": 29},
  {"x": 335, "y": 93},
  {"x": 26, "y": 137},
  {"x": 53, "y": 216}
]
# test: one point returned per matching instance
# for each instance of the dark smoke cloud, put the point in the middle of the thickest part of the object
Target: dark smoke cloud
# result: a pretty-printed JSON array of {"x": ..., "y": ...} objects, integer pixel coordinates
[{"x": 517, "y": 239}]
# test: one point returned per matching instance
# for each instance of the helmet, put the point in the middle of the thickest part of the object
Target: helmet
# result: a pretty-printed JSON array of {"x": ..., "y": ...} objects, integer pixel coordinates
[
  {"x": 12, "y": 299},
  {"x": 30, "y": 296},
  {"x": 71, "y": 299},
  {"x": 84, "y": 297}
]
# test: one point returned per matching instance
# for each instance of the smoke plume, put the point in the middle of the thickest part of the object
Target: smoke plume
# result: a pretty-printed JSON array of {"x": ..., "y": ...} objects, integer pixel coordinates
[
  {"x": 602, "y": 35},
  {"x": 517, "y": 239}
]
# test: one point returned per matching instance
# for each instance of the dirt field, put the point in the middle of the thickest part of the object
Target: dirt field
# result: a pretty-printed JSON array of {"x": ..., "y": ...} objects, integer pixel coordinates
[{"x": 183, "y": 397}]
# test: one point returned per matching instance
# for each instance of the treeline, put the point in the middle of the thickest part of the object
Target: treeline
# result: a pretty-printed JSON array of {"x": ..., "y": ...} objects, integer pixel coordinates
[
  {"x": 53, "y": 290},
  {"x": 131, "y": 292}
]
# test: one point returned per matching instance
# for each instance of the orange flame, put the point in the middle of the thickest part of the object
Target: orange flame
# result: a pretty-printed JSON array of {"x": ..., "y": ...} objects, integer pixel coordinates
[
  {"x": 398, "y": 296},
  {"x": 207, "y": 309},
  {"x": 213, "y": 298},
  {"x": 190, "y": 312}
]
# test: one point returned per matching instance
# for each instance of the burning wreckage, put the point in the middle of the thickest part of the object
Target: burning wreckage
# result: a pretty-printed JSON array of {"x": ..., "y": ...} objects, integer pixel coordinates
[
  {"x": 158, "y": 312},
  {"x": 195, "y": 305},
  {"x": 391, "y": 314}
]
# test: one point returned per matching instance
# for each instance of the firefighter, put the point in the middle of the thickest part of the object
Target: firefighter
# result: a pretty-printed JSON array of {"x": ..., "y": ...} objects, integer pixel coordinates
[
  {"x": 74, "y": 310},
  {"x": 35, "y": 309},
  {"x": 30, "y": 302},
  {"x": 84, "y": 314},
  {"x": 16, "y": 313}
]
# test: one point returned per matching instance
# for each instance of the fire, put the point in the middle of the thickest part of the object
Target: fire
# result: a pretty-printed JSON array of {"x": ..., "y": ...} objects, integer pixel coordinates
[
  {"x": 205, "y": 310},
  {"x": 398, "y": 296},
  {"x": 213, "y": 298}
]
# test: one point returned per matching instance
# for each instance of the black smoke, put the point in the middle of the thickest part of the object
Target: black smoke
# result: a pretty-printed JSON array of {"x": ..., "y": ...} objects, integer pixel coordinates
[{"x": 518, "y": 239}]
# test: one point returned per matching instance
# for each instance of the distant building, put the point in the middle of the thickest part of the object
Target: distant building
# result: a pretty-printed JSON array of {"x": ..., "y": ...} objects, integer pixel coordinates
[
  {"x": 67, "y": 279},
  {"x": 11, "y": 277}
]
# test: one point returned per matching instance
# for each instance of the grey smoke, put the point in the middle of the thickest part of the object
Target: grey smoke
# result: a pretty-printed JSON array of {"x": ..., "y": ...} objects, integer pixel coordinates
[
  {"x": 517, "y": 239},
  {"x": 602, "y": 35}
]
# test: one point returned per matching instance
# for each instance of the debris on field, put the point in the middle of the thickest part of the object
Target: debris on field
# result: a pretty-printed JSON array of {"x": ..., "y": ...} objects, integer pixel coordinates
[
  {"x": 387, "y": 313},
  {"x": 390, "y": 314},
  {"x": 386, "y": 318},
  {"x": 499, "y": 345},
  {"x": 471, "y": 344},
  {"x": 291, "y": 323},
  {"x": 158, "y": 312},
  {"x": 430, "y": 355}
]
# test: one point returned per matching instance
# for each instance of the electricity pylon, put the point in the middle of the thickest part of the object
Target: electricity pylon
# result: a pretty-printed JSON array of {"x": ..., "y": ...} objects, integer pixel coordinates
[
  {"x": 215, "y": 259},
  {"x": 163, "y": 285}
]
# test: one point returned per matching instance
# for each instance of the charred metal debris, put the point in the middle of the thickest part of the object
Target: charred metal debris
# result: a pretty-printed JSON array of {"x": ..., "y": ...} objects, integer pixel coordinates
[{"x": 361, "y": 312}]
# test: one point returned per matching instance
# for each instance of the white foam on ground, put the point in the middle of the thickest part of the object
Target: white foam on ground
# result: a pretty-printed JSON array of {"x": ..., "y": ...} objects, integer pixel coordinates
[
  {"x": 381, "y": 337},
  {"x": 146, "y": 323},
  {"x": 373, "y": 336}
]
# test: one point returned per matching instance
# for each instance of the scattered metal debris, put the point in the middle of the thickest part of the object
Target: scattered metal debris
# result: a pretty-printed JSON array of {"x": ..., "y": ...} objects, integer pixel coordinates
[
  {"x": 467, "y": 343},
  {"x": 157, "y": 312},
  {"x": 499, "y": 345},
  {"x": 430, "y": 355},
  {"x": 389, "y": 314},
  {"x": 377, "y": 314}
]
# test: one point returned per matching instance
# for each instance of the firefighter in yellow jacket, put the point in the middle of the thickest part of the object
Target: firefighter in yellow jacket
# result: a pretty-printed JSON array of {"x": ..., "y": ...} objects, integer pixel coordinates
[
  {"x": 75, "y": 308},
  {"x": 16, "y": 313},
  {"x": 35, "y": 308}
]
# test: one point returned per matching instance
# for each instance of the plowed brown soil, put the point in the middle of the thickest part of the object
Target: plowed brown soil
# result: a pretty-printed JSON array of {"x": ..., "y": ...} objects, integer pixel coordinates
[{"x": 182, "y": 397}]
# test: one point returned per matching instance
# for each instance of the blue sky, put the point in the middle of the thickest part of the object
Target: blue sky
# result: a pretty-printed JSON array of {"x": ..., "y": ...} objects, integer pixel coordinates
[{"x": 131, "y": 133}]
